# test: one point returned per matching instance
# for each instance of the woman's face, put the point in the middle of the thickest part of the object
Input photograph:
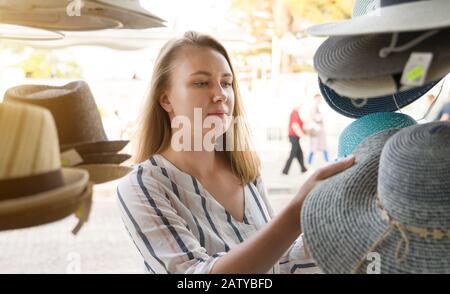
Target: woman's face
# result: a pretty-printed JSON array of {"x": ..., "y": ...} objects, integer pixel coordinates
[{"x": 200, "y": 89}]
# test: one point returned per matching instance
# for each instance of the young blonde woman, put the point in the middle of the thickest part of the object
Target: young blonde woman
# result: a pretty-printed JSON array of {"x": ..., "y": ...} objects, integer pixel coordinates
[{"x": 190, "y": 209}]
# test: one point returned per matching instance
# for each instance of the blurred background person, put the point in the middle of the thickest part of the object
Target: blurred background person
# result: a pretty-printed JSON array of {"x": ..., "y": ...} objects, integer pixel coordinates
[
  {"x": 316, "y": 131},
  {"x": 295, "y": 133}
]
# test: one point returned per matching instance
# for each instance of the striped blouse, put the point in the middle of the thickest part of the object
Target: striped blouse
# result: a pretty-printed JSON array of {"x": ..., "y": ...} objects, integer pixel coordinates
[{"x": 178, "y": 227}]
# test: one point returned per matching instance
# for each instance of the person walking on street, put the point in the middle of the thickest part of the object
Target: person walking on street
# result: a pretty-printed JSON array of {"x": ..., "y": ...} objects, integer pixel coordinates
[{"x": 295, "y": 132}]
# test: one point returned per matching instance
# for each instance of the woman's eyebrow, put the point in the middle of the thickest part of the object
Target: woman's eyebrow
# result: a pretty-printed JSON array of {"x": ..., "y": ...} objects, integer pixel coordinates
[{"x": 202, "y": 72}]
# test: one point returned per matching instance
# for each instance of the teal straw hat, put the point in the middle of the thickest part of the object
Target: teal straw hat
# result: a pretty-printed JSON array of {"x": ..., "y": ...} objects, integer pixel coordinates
[{"x": 369, "y": 125}]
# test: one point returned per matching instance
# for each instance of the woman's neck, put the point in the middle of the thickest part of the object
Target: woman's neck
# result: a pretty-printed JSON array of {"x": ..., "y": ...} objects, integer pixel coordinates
[{"x": 201, "y": 164}]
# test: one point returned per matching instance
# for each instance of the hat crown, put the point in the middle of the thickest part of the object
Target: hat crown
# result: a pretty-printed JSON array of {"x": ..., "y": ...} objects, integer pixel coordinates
[
  {"x": 369, "y": 125},
  {"x": 414, "y": 176},
  {"x": 29, "y": 142},
  {"x": 72, "y": 106}
]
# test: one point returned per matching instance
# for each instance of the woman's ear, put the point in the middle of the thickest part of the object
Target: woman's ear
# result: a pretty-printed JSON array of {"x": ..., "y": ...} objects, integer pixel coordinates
[{"x": 165, "y": 103}]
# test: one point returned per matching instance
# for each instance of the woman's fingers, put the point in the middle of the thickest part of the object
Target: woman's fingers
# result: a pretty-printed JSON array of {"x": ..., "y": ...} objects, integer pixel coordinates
[{"x": 334, "y": 168}]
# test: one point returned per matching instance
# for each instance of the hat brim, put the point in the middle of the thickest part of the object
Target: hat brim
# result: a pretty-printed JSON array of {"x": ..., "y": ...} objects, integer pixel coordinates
[
  {"x": 130, "y": 15},
  {"x": 406, "y": 17},
  {"x": 48, "y": 206},
  {"x": 102, "y": 173},
  {"x": 341, "y": 223},
  {"x": 112, "y": 158},
  {"x": 356, "y": 108},
  {"x": 96, "y": 147}
]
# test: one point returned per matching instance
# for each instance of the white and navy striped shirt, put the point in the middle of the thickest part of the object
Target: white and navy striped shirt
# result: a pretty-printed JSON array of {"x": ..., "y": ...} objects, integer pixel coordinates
[{"x": 178, "y": 227}]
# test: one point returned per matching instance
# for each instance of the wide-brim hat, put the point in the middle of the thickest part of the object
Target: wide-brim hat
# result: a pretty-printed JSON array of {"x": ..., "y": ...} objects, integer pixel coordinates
[
  {"x": 48, "y": 206},
  {"x": 79, "y": 15},
  {"x": 369, "y": 125},
  {"x": 333, "y": 213},
  {"x": 358, "y": 57},
  {"x": 356, "y": 108},
  {"x": 390, "y": 16},
  {"x": 75, "y": 112},
  {"x": 390, "y": 212},
  {"x": 102, "y": 173}
]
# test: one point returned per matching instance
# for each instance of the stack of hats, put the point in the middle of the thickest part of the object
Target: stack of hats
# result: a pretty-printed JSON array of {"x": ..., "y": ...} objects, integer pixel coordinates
[
  {"x": 390, "y": 211},
  {"x": 82, "y": 138},
  {"x": 387, "y": 56},
  {"x": 34, "y": 188},
  {"x": 53, "y": 150}
]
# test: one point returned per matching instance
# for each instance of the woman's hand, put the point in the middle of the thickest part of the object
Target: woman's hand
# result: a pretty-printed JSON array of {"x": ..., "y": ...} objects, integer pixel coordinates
[{"x": 316, "y": 178}]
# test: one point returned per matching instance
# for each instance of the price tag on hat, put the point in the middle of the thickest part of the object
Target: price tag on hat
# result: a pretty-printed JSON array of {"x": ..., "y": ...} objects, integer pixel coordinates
[
  {"x": 416, "y": 69},
  {"x": 70, "y": 158}
]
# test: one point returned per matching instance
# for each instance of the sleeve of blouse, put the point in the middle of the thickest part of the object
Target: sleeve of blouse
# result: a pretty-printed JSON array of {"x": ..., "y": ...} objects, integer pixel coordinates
[
  {"x": 296, "y": 259},
  {"x": 162, "y": 237}
]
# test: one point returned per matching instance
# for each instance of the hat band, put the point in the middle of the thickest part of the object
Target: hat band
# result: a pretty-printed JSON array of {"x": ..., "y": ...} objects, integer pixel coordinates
[
  {"x": 424, "y": 233},
  {"x": 386, "y": 3},
  {"x": 24, "y": 186}
]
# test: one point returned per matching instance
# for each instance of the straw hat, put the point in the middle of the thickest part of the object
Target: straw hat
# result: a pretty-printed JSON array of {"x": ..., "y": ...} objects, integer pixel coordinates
[
  {"x": 34, "y": 188},
  {"x": 78, "y": 15},
  {"x": 325, "y": 210},
  {"x": 387, "y": 16},
  {"x": 369, "y": 125},
  {"x": 356, "y": 108},
  {"x": 402, "y": 216},
  {"x": 75, "y": 112},
  {"x": 361, "y": 57}
]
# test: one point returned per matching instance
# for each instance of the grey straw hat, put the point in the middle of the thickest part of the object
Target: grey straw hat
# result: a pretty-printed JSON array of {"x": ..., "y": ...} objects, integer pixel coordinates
[
  {"x": 358, "y": 57},
  {"x": 387, "y": 16},
  {"x": 395, "y": 206}
]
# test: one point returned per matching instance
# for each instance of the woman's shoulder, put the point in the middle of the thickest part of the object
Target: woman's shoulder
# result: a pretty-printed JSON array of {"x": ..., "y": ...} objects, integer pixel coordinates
[{"x": 145, "y": 173}]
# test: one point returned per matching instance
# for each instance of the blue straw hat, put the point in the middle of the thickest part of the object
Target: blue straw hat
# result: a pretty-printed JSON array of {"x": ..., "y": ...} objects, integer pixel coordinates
[
  {"x": 356, "y": 108},
  {"x": 389, "y": 210},
  {"x": 369, "y": 125}
]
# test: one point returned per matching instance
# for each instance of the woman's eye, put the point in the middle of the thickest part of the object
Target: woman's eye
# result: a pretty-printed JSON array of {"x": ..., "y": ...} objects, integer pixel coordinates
[
  {"x": 201, "y": 84},
  {"x": 226, "y": 84}
]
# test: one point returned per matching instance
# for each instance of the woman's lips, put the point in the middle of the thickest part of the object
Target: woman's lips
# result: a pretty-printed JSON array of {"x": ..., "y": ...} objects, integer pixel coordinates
[{"x": 221, "y": 114}]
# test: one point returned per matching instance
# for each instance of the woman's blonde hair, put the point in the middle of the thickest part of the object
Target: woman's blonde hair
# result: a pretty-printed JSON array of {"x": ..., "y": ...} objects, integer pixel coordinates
[{"x": 155, "y": 128}]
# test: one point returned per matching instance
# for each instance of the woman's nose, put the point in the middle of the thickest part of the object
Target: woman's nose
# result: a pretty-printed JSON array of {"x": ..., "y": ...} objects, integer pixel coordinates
[{"x": 219, "y": 94}]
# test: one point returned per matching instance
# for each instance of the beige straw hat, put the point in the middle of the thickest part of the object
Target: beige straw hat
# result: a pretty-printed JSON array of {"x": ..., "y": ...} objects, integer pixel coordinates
[
  {"x": 80, "y": 127},
  {"x": 34, "y": 189},
  {"x": 78, "y": 15}
]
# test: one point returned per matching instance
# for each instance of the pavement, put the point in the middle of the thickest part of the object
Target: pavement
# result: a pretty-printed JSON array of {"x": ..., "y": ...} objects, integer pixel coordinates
[{"x": 103, "y": 245}]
